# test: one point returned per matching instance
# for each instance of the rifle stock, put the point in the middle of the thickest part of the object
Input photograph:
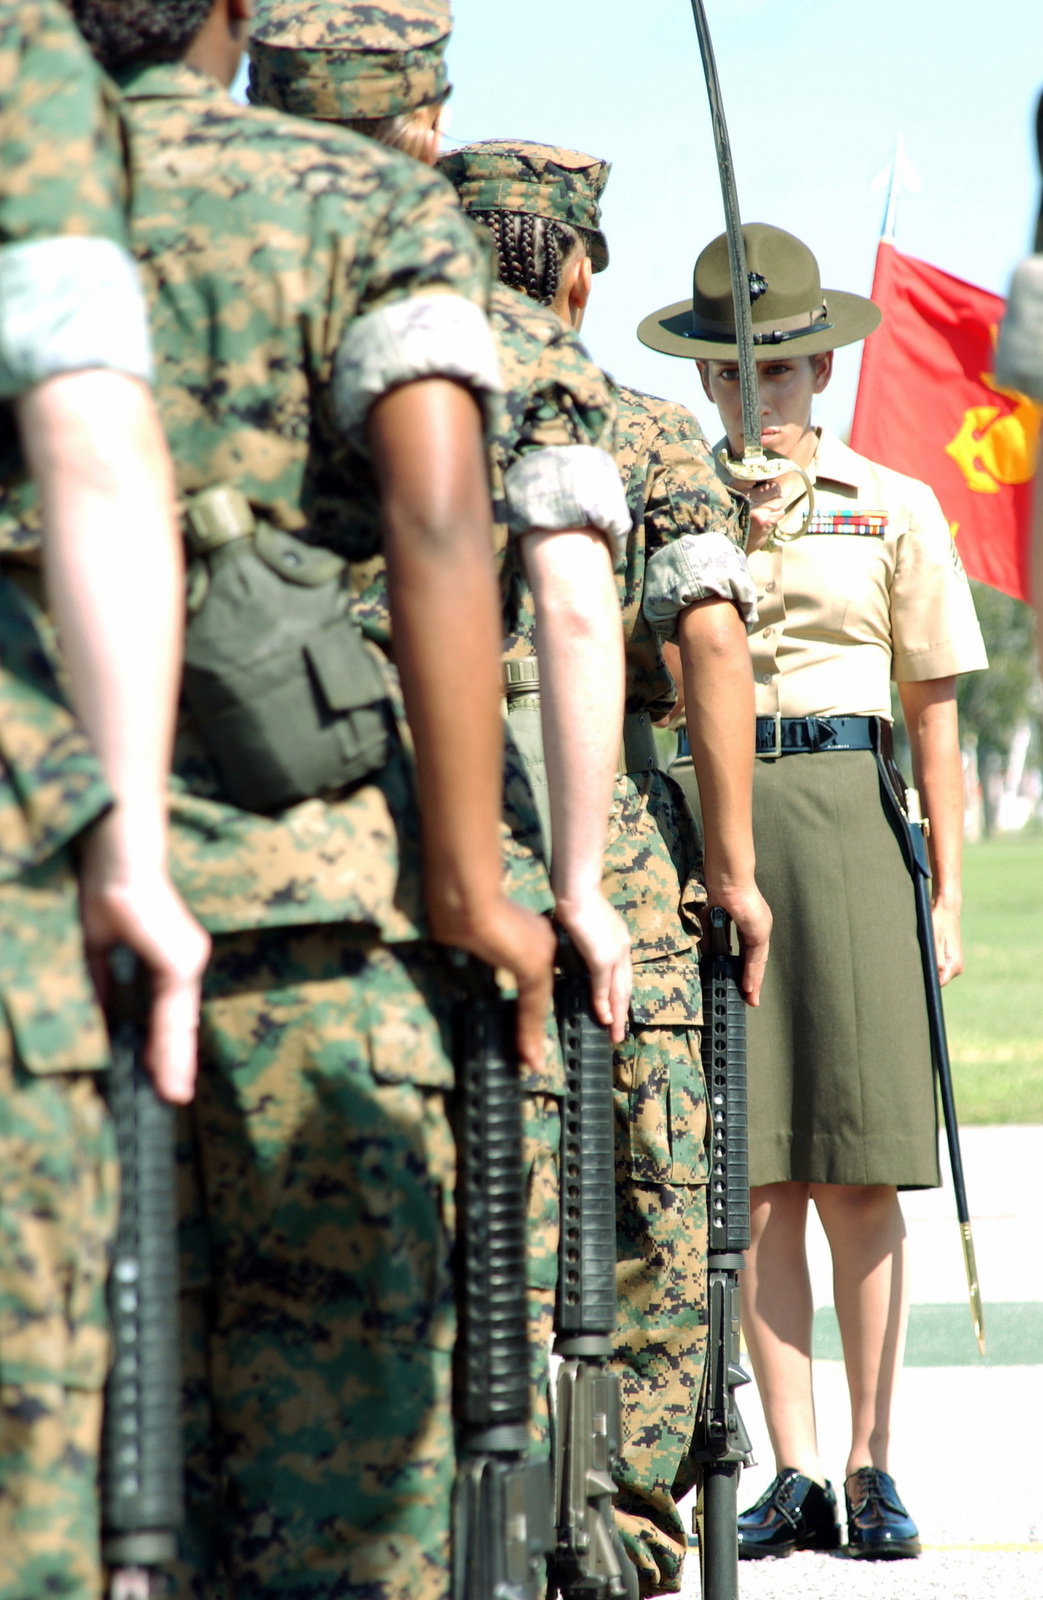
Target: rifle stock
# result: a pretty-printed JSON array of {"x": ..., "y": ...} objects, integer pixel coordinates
[
  {"x": 501, "y": 1503},
  {"x": 590, "y": 1562},
  {"x": 141, "y": 1473},
  {"x": 723, "y": 1445}
]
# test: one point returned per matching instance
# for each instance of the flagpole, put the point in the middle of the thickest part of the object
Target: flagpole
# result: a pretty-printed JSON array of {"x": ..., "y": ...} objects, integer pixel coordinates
[{"x": 900, "y": 176}]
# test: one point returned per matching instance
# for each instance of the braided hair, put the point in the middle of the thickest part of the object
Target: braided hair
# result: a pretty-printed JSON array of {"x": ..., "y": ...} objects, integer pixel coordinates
[
  {"x": 531, "y": 251},
  {"x": 122, "y": 32}
]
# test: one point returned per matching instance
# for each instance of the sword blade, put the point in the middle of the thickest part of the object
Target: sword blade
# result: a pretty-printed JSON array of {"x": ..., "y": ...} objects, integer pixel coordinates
[{"x": 751, "y": 416}]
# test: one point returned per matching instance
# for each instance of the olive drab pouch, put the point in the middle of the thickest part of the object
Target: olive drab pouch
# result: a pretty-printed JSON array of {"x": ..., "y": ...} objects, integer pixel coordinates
[{"x": 284, "y": 690}]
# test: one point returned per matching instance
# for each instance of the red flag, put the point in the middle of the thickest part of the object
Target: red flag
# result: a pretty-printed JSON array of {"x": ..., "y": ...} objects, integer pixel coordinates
[{"x": 928, "y": 406}]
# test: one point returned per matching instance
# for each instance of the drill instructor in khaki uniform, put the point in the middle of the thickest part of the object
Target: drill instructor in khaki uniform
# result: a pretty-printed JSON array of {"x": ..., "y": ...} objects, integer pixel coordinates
[{"x": 841, "y": 1091}]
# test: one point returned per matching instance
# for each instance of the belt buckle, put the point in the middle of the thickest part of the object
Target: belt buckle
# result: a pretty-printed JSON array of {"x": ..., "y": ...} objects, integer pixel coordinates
[{"x": 776, "y": 750}]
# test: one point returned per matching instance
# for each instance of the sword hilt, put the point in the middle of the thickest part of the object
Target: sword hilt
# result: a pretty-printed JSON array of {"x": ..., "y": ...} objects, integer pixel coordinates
[{"x": 755, "y": 466}]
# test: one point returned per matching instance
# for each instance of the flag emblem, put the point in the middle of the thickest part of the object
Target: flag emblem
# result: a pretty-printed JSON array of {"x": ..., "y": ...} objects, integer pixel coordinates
[{"x": 928, "y": 406}]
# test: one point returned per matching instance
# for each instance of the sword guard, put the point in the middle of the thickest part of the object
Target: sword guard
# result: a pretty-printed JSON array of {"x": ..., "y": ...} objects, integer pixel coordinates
[{"x": 755, "y": 466}]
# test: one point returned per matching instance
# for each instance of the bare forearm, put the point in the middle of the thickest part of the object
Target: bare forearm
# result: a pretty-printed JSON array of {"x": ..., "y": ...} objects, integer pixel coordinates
[
  {"x": 580, "y": 647},
  {"x": 718, "y": 684},
  {"x": 112, "y": 556},
  {"x": 112, "y": 559},
  {"x": 672, "y": 658},
  {"x": 718, "y": 680},
  {"x": 447, "y": 633},
  {"x": 934, "y": 743}
]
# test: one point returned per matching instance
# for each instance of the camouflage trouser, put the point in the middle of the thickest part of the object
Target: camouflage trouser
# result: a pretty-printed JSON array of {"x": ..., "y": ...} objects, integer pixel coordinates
[
  {"x": 324, "y": 1340},
  {"x": 660, "y": 1344},
  {"x": 542, "y": 1113},
  {"x": 59, "y": 1189}
]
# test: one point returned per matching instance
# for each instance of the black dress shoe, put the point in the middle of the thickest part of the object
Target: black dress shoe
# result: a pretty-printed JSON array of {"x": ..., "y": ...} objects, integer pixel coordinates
[
  {"x": 878, "y": 1525},
  {"x": 793, "y": 1513}
]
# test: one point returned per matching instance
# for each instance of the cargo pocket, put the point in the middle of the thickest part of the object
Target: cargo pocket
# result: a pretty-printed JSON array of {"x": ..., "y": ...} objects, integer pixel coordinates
[
  {"x": 409, "y": 1019},
  {"x": 659, "y": 1085},
  {"x": 59, "y": 1191}
]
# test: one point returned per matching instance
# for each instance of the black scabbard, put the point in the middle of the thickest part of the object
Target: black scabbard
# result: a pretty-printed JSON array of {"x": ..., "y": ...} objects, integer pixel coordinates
[{"x": 914, "y": 849}]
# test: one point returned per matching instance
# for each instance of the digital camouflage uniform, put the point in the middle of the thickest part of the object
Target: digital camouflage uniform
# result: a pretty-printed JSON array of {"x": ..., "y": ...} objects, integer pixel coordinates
[
  {"x": 295, "y": 274},
  {"x": 652, "y": 876},
  {"x": 662, "y": 1123},
  {"x": 554, "y": 420},
  {"x": 68, "y": 300},
  {"x": 329, "y": 61},
  {"x": 340, "y": 60}
]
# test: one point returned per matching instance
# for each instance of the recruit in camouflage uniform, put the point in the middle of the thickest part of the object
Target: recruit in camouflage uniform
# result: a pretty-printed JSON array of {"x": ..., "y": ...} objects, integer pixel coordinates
[
  {"x": 322, "y": 273},
  {"x": 652, "y": 876},
  {"x": 63, "y": 265},
  {"x": 322, "y": 59}
]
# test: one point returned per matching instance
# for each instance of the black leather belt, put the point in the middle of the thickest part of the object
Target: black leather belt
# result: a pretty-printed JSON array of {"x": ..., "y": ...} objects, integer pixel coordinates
[
  {"x": 783, "y": 736},
  {"x": 787, "y": 736}
]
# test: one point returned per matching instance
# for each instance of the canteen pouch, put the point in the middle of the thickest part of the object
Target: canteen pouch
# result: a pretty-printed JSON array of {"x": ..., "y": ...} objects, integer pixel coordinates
[{"x": 285, "y": 693}]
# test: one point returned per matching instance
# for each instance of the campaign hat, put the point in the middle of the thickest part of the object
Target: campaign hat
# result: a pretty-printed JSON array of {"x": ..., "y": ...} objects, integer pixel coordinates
[{"x": 791, "y": 310}]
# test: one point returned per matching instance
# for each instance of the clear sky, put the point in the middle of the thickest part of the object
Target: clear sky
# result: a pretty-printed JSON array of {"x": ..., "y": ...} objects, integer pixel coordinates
[{"x": 815, "y": 93}]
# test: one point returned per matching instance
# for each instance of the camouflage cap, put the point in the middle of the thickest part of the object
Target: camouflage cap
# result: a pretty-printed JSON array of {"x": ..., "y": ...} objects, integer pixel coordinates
[
  {"x": 339, "y": 60},
  {"x": 544, "y": 180}
]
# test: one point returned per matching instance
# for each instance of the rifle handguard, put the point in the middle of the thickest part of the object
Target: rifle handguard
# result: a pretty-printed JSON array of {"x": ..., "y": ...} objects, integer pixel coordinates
[
  {"x": 724, "y": 1068},
  {"x": 501, "y": 1500},
  {"x": 492, "y": 1376},
  {"x": 141, "y": 1465},
  {"x": 589, "y": 1560},
  {"x": 587, "y": 1274}
]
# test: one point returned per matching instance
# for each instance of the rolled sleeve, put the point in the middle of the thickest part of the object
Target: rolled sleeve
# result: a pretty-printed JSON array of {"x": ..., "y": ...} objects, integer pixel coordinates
[
  {"x": 67, "y": 304},
  {"x": 568, "y": 486},
  {"x": 427, "y": 336},
  {"x": 705, "y": 566}
]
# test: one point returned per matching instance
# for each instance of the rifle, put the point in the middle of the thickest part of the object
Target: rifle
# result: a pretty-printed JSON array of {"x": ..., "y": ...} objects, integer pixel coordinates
[
  {"x": 723, "y": 1445},
  {"x": 589, "y": 1560},
  {"x": 501, "y": 1499},
  {"x": 141, "y": 1474}
]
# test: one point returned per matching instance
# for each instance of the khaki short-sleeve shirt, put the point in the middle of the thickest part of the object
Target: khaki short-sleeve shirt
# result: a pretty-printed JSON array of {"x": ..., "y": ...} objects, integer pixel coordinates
[{"x": 874, "y": 590}]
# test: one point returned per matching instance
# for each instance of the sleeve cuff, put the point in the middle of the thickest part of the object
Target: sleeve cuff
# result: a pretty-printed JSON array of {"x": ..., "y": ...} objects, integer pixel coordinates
[
  {"x": 940, "y": 661},
  {"x": 1019, "y": 352},
  {"x": 428, "y": 336},
  {"x": 699, "y": 566},
  {"x": 568, "y": 486},
  {"x": 67, "y": 304}
]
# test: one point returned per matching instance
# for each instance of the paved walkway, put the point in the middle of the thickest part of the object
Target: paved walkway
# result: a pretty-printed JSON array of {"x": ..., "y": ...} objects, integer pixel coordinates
[{"x": 967, "y": 1451}]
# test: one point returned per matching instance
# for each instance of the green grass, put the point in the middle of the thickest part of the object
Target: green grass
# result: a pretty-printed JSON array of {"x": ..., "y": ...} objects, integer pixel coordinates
[
  {"x": 943, "y": 1336},
  {"x": 994, "y": 1011}
]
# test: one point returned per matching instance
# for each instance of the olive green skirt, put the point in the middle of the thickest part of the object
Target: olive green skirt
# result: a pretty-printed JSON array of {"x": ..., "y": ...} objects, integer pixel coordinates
[{"x": 840, "y": 1082}]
